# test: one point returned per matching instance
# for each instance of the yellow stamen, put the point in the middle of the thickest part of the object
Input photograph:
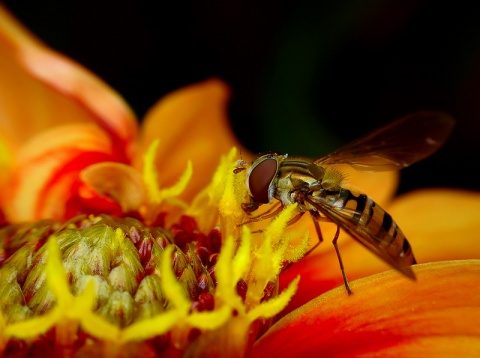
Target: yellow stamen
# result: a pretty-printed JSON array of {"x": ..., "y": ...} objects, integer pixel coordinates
[
  {"x": 277, "y": 227},
  {"x": 219, "y": 177},
  {"x": 157, "y": 195},
  {"x": 233, "y": 195},
  {"x": 222, "y": 196},
  {"x": 275, "y": 305},
  {"x": 33, "y": 327},
  {"x": 262, "y": 271},
  {"x": 243, "y": 258},
  {"x": 209, "y": 320},
  {"x": 151, "y": 327},
  {"x": 226, "y": 283},
  {"x": 297, "y": 251},
  {"x": 56, "y": 275},
  {"x": 178, "y": 188},
  {"x": 149, "y": 171}
]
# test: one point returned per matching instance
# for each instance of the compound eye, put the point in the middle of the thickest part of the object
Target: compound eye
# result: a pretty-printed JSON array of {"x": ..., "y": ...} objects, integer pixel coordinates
[{"x": 260, "y": 178}]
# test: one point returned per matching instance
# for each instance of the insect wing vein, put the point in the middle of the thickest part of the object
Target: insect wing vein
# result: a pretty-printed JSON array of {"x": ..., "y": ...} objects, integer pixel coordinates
[{"x": 397, "y": 145}]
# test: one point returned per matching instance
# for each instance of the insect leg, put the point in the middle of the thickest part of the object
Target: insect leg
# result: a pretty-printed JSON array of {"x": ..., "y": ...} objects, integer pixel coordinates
[
  {"x": 315, "y": 218},
  {"x": 295, "y": 218},
  {"x": 290, "y": 222},
  {"x": 274, "y": 210},
  {"x": 334, "y": 242}
]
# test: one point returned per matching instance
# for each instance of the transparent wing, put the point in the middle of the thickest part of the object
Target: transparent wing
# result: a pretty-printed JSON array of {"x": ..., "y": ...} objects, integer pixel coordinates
[
  {"x": 390, "y": 250},
  {"x": 397, "y": 145}
]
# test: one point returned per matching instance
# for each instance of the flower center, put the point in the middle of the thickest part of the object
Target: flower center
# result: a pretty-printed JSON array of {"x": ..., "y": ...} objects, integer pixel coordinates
[
  {"x": 125, "y": 268},
  {"x": 125, "y": 271}
]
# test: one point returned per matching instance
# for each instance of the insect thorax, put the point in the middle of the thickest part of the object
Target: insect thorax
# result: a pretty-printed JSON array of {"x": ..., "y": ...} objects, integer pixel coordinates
[{"x": 299, "y": 177}]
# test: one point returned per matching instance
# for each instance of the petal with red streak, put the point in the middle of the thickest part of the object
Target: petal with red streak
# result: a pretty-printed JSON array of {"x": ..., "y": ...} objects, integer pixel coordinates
[
  {"x": 118, "y": 181},
  {"x": 387, "y": 315},
  {"x": 41, "y": 89},
  {"x": 48, "y": 168}
]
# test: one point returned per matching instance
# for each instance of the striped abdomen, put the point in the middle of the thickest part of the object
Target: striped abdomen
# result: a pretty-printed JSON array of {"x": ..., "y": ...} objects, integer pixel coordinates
[{"x": 368, "y": 223}]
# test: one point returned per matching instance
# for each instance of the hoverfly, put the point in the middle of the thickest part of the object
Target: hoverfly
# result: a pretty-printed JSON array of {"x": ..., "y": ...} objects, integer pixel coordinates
[{"x": 317, "y": 187}]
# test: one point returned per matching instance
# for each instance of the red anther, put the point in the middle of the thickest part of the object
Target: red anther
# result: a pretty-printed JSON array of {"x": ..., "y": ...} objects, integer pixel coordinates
[
  {"x": 149, "y": 268},
  {"x": 213, "y": 259},
  {"x": 160, "y": 343},
  {"x": 132, "y": 214},
  {"x": 196, "y": 306},
  {"x": 16, "y": 348},
  {"x": 202, "y": 282},
  {"x": 193, "y": 334},
  {"x": 186, "y": 223},
  {"x": 242, "y": 288},
  {"x": 198, "y": 237},
  {"x": 3, "y": 256},
  {"x": 269, "y": 291},
  {"x": 134, "y": 234},
  {"x": 207, "y": 300},
  {"x": 3, "y": 219},
  {"x": 162, "y": 242},
  {"x": 159, "y": 220},
  {"x": 145, "y": 249},
  {"x": 214, "y": 240},
  {"x": 181, "y": 238},
  {"x": 203, "y": 254},
  {"x": 211, "y": 272}
]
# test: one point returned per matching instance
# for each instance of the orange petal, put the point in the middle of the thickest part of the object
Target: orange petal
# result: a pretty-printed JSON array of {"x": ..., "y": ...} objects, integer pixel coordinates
[
  {"x": 41, "y": 88},
  {"x": 48, "y": 167},
  {"x": 191, "y": 123},
  {"x": 118, "y": 181},
  {"x": 437, "y": 316},
  {"x": 440, "y": 224}
]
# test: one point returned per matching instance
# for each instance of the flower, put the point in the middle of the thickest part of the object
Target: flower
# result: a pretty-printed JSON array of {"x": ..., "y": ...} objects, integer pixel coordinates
[{"x": 97, "y": 258}]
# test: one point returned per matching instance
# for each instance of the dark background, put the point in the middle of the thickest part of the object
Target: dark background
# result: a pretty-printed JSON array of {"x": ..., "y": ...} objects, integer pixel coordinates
[{"x": 307, "y": 76}]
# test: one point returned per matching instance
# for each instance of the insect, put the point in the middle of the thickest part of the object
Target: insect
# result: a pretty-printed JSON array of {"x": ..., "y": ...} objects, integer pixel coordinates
[{"x": 316, "y": 186}]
